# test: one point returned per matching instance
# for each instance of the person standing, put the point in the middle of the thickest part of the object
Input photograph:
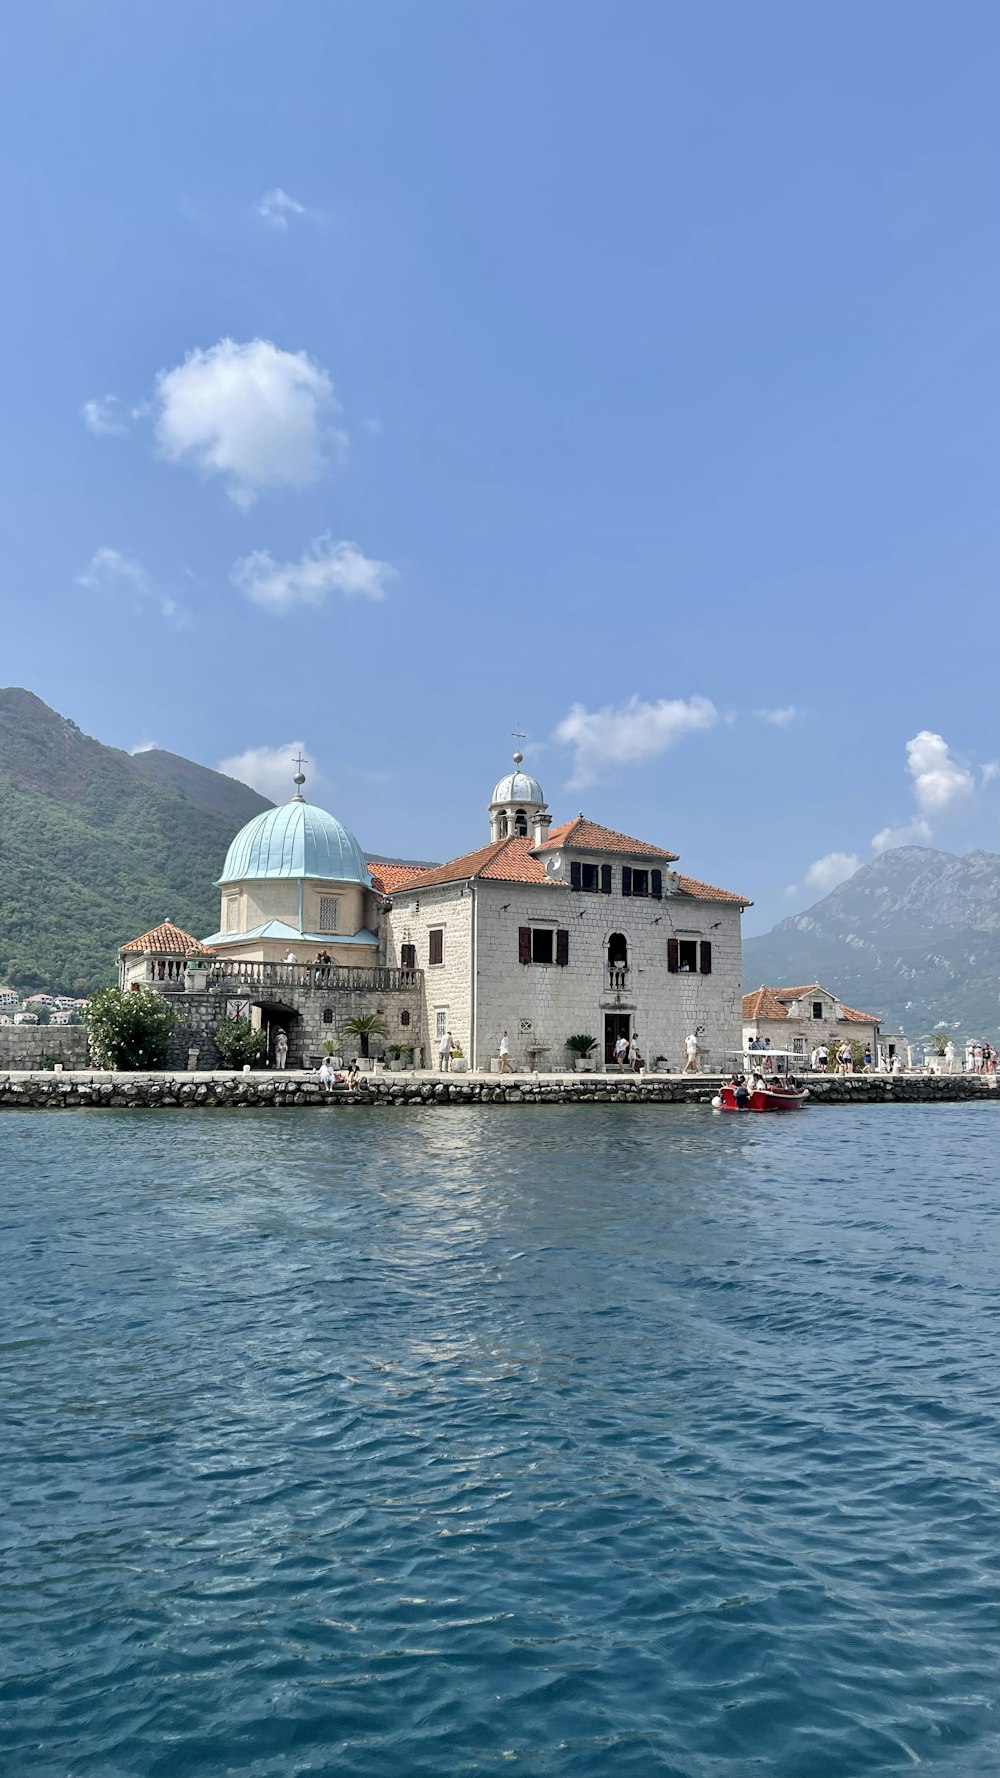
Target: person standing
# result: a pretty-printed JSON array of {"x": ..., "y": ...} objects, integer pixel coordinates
[
  {"x": 868, "y": 1058},
  {"x": 691, "y": 1052},
  {"x": 444, "y": 1053},
  {"x": 281, "y": 1050},
  {"x": 634, "y": 1058},
  {"x": 845, "y": 1059},
  {"x": 621, "y": 1052},
  {"x": 504, "y": 1053}
]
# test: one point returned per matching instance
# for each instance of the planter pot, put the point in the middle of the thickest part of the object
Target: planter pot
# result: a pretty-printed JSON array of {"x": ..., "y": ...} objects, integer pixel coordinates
[
  {"x": 585, "y": 1064},
  {"x": 459, "y": 1065}
]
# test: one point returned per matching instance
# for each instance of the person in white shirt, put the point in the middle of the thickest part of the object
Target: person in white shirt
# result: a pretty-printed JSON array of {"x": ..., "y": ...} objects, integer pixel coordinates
[
  {"x": 691, "y": 1052},
  {"x": 621, "y": 1052},
  {"x": 444, "y": 1053},
  {"x": 327, "y": 1076},
  {"x": 291, "y": 957},
  {"x": 504, "y": 1053},
  {"x": 280, "y": 1050}
]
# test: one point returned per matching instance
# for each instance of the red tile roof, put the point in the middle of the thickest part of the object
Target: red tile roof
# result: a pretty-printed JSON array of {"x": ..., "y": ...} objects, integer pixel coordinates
[
  {"x": 773, "y": 1003},
  {"x": 588, "y": 836},
  {"x": 708, "y": 892},
  {"x": 390, "y": 877},
  {"x": 504, "y": 861},
  {"x": 167, "y": 939}
]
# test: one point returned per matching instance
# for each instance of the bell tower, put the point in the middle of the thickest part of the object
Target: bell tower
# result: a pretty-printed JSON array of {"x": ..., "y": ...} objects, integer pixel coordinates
[{"x": 517, "y": 807}]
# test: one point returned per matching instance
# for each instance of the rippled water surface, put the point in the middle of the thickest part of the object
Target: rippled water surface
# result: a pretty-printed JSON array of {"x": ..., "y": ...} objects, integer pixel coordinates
[{"x": 583, "y": 1441}]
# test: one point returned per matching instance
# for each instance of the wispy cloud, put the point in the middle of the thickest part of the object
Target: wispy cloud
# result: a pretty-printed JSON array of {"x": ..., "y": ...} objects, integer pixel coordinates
[
  {"x": 110, "y": 572},
  {"x": 635, "y": 732},
  {"x": 252, "y": 413},
  {"x": 827, "y": 873},
  {"x": 915, "y": 833},
  {"x": 324, "y": 568},
  {"x": 145, "y": 747},
  {"x": 989, "y": 771},
  {"x": 939, "y": 781},
  {"x": 275, "y": 208},
  {"x": 780, "y": 717},
  {"x": 105, "y": 417},
  {"x": 271, "y": 770}
]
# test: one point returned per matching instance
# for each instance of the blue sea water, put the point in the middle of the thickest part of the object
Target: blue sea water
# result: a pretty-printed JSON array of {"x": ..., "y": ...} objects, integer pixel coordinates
[{"x": 572, "y": 1441}]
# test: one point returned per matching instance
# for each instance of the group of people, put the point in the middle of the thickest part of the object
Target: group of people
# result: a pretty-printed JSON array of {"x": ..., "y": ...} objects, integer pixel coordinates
[
  {"x": 980, "y": 1058},
  {"x": 627, "y": 1053},
  {"x": 330, "y": 1077}
]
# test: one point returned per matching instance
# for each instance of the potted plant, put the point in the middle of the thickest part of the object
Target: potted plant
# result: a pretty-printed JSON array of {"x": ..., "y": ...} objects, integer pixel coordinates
[
  {"x": 458, "y": 1062},
  {"x": 332, "y": 1052},
  {"x": 398, "y": 1052},
  {"x": 364, "y": 1026},
  {"x": 581, "y": 1045}
]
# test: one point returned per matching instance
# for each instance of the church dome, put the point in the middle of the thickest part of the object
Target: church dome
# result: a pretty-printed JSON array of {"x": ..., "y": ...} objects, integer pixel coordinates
[
  {"x": 296, "y": 840},
  {"x": 517, "y": 787}
]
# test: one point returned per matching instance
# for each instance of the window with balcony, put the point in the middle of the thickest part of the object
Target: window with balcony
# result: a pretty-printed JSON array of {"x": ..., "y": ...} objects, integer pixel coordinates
[{"x": 407, "y": 956}]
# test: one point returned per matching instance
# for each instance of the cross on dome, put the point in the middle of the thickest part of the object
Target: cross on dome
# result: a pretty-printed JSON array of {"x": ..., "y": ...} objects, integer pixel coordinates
[{"x": 300, "y": 777}]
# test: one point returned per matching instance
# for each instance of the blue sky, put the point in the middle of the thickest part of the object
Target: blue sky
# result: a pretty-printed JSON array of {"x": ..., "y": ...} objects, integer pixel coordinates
[{"x": 613, "y": 371}]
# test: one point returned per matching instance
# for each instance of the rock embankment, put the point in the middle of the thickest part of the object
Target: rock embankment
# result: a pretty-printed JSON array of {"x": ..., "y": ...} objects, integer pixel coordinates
[{"x": 68, "y": 1092}]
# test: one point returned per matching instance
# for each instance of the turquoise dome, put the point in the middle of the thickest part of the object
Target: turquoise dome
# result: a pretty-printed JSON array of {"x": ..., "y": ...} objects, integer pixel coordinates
[{"x": 296, "y": 840}]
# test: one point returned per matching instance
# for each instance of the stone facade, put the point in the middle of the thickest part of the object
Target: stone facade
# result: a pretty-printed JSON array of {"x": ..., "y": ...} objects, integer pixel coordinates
[
  {"x": 801, "y": 1021},
  {"x": 36, "y": 1046}
]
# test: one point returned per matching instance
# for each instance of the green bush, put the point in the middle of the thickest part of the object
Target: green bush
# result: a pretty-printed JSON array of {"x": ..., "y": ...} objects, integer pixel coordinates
[
  {"x": 129, "y": 1029},
  {"x": 581, "y": 1044},
  {"x": 238, "y": 1044}
]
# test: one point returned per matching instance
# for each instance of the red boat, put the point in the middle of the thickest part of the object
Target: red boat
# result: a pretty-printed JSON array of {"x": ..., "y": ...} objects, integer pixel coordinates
[{"x": 754, "y": 1091}]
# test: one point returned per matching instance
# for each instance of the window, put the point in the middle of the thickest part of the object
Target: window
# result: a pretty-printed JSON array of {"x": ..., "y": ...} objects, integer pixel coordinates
[
  {"x": 689, "y": 956},
  {"x": 642, "y": 882},
  {"x": 407, "y": 956},
  {"x": 328, "y": 1015},
  {"x": 329, "y": 913},
  {"x": 231, "y": 920},
  {"x": 618, "y": 960},
  {"x": 435, "y": 945},
  {"x": 404, "y": 1017},
  {"x": 521, "y": 824},
  {"x": 591, "y": 879},
  {"x": 441, "y": 1022},
  {"x": 799, "y": 1046},
  {"x": 817, "y": 1009},
  {"x": 540, "y": 944},
  {"x": 504, "y": 827}
]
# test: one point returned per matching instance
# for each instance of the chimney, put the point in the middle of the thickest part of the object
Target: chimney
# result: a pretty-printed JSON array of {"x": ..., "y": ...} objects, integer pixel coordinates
[{"x": 542, "y": 824}]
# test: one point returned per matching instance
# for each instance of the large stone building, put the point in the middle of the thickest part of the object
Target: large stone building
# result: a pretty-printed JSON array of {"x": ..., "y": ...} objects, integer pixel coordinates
[
  {"x": 543, "y": 931},
  {"x": 552, "y": 931}
]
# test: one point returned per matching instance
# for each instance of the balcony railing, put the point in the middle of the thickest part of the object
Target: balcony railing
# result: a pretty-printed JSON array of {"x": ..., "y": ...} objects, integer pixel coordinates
[
  {"x": 231, "y": 974},
  {"x": 617, "y": 975}
]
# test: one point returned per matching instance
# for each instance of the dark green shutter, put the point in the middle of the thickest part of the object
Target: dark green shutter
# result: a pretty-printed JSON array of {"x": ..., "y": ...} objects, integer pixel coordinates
[
  {"x": 626, "y": 879},
  {"x": 574, "y": 874},
  {"x": 562, "y": 947},
  {"x": 706, "y": 956},
  {"x": 656, "y": 884},
  {"x": 524, "y": 944},
  {"x": 673, "y": 956},
  {"x": 605, "y": 879}
]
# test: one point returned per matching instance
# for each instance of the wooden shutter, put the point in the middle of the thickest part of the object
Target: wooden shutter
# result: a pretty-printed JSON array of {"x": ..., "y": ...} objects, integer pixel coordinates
[
  {"x": 574, "y": 874},
  {"x": 706, "y": 956},
  {"x": 562, "y": 948},
  {"x": 435, "y": 947},
  {"x": 524, "y": 944},
  {"x": 626, "y": 879},
  {"x": 673, "y": 956},
  {"x": 605, "y": 879},
  {"x": 656, "y": 884}
]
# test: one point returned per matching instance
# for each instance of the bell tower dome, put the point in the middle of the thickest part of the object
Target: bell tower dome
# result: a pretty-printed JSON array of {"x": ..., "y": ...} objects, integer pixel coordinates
[{"x": 518, "y": 808}]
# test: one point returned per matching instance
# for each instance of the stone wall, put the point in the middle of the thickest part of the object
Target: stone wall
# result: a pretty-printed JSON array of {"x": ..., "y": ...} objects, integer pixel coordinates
[
  {"x": 55, "y": 1092},
  {"x": 32, "y": 1046},
  {"x": 447, "y": 985},
  {"x": 199, "y": 1015}
]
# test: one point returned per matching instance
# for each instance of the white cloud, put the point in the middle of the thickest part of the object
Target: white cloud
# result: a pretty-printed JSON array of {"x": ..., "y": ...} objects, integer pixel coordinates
[
  {"x": 917, "y": 833},
  {"x": 989, "y": 771},
  {"x": 938, "y": 779},
  {"x": 109, "y": 572},
  {"x": 833, "y": 868},
  {"x": 271, "y": 770},
  {"x": 254, "y": 414},
  {"x": 276, "y": 206},
  {"x": 104, "y": 417},
  {"x": 325, "y": 567},
  {"x": 780, "y": 717},
  {"x": 145, "y": 747},
  {"x": 637, "y": 731}
]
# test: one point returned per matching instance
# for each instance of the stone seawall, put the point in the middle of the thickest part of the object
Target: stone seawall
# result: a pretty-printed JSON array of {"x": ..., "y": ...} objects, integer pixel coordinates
[{"x": 69, "y": 1092}]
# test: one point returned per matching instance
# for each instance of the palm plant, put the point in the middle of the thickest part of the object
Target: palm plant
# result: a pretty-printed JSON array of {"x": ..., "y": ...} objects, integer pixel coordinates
[
  {"x": 364, "y": 1026},
  {"x": 581, "y": 1044}
]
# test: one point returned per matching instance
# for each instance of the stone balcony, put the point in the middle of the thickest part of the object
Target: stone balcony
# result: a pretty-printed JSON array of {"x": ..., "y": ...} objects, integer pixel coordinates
[{"x": 235, "y": 976}]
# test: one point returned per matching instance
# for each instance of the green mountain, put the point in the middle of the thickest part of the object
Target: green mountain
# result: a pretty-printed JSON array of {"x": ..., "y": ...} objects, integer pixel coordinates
[{"x": 97, "y": 845}]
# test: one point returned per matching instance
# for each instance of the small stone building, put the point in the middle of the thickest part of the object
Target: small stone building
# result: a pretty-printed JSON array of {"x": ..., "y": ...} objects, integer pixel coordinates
[{"x": 798, "y": 1019}]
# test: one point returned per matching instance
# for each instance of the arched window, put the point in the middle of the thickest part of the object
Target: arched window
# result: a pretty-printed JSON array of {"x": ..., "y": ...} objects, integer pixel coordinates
[
  {"x": 328, "y": 1015},
  {"x": 404, "y": 1017},
  {"x": 618, "y": 960},
  {"x": 504, "y": 827},
  {"x": 521, "y": 824}
]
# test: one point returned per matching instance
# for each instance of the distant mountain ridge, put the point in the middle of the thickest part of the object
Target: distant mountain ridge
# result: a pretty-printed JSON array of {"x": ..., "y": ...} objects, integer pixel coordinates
[
  {"x": 200, "y": 785},
  {"x": 913, "y": 935}
]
